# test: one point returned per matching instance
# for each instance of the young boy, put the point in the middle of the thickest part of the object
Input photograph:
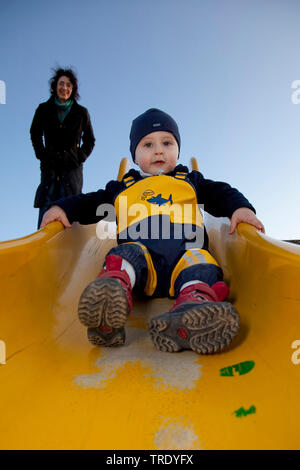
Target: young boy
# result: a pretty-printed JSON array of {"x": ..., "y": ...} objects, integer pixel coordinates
[{"x": 162, "y": 251}]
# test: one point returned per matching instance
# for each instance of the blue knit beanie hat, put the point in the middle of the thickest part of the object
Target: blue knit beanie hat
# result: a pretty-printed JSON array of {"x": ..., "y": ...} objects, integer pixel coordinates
[{"x": 150, "y": 121}]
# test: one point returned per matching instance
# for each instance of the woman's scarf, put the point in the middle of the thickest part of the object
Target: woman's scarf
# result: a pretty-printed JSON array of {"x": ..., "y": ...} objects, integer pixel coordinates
[{"x": 63, "y": 108}]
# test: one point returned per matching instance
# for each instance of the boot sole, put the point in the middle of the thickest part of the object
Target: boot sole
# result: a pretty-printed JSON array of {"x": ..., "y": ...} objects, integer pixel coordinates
[
  {"x": 114, "y": 339},
  {"x": 205, "y": 328},
  {"x": 103, "y": 303}
]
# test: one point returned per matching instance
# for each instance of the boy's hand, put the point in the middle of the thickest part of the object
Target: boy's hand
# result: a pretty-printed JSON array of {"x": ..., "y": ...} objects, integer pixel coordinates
[
  {"x": 55, "y": 213},
  {"x": 243, "y": 214}
]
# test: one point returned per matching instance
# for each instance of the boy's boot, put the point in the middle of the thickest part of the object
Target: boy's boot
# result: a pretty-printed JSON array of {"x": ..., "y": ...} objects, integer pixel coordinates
[
  {"x": 198, "y": 320},
  {"x": 105, "y": 304}
]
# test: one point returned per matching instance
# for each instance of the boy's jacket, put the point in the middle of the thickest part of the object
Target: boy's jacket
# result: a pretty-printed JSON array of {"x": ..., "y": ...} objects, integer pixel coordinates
[{"x": 156, "y": 208}]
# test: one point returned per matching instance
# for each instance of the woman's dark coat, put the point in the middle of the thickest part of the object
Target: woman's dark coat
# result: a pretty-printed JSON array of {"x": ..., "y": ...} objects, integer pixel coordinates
[{"x": 58, "y": 146}]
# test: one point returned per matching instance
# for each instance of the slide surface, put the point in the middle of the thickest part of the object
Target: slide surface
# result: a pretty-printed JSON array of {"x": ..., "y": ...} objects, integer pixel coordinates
[{"x": 57, "y": 391}]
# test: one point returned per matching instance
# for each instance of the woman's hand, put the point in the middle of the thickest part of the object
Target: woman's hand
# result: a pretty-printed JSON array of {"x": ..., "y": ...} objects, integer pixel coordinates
[
  {"x": 55, "y": 213},
  {"x": 243, "y": 214}
]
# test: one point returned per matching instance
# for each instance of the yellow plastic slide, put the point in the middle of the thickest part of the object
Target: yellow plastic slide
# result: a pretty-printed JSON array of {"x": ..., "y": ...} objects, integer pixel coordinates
[{"x": 57, "y": 391}]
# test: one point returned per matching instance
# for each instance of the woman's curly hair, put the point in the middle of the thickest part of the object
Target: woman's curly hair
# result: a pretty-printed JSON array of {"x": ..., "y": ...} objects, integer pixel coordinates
[{"x": 59, "y": 72}]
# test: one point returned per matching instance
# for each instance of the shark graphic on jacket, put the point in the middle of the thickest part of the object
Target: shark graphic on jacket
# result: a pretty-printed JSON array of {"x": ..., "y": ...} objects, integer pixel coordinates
[{"x": 160, "y": 201}]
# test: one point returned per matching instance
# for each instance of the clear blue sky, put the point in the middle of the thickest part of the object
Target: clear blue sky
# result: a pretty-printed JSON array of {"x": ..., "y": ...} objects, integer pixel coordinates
[{"x": 222, "y": 68}]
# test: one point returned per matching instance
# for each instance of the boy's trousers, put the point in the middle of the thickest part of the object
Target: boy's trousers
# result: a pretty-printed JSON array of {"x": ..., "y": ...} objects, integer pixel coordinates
[{"x": 156, "y": 277}]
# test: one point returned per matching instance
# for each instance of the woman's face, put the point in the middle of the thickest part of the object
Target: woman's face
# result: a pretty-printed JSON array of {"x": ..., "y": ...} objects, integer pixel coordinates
[{"x": 64, "y": 89}]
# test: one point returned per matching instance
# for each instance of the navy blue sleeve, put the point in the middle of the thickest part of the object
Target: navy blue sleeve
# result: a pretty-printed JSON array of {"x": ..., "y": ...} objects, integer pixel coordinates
[
  {"x": 82, "y": 208},
  {"x": 219, "y": 199}
]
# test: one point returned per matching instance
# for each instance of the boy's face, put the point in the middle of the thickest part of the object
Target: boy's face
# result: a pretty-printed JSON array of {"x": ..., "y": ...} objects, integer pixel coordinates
[{"x": 157, "y": 152}]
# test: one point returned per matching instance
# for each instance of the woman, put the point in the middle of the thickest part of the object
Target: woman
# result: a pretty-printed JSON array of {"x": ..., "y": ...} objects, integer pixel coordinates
[{"x": 62, "y": 137}]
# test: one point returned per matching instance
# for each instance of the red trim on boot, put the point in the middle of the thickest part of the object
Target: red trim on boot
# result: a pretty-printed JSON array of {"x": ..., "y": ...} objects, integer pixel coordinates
[
  {"x": 112, "y": 269},
  {"x": 221, "y": 289},
  {"x": 199, "y": 292},
  {"x": 113, "y": 263}
]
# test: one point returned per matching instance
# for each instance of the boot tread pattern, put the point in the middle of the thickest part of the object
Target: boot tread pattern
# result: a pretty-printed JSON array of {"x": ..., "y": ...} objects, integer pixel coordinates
[
  {"x": 209, "y": 327},
  {"x": 98, "y": 339},
  {"x": 104, "y": 303},
  {"x": 163, "y": 343}
]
